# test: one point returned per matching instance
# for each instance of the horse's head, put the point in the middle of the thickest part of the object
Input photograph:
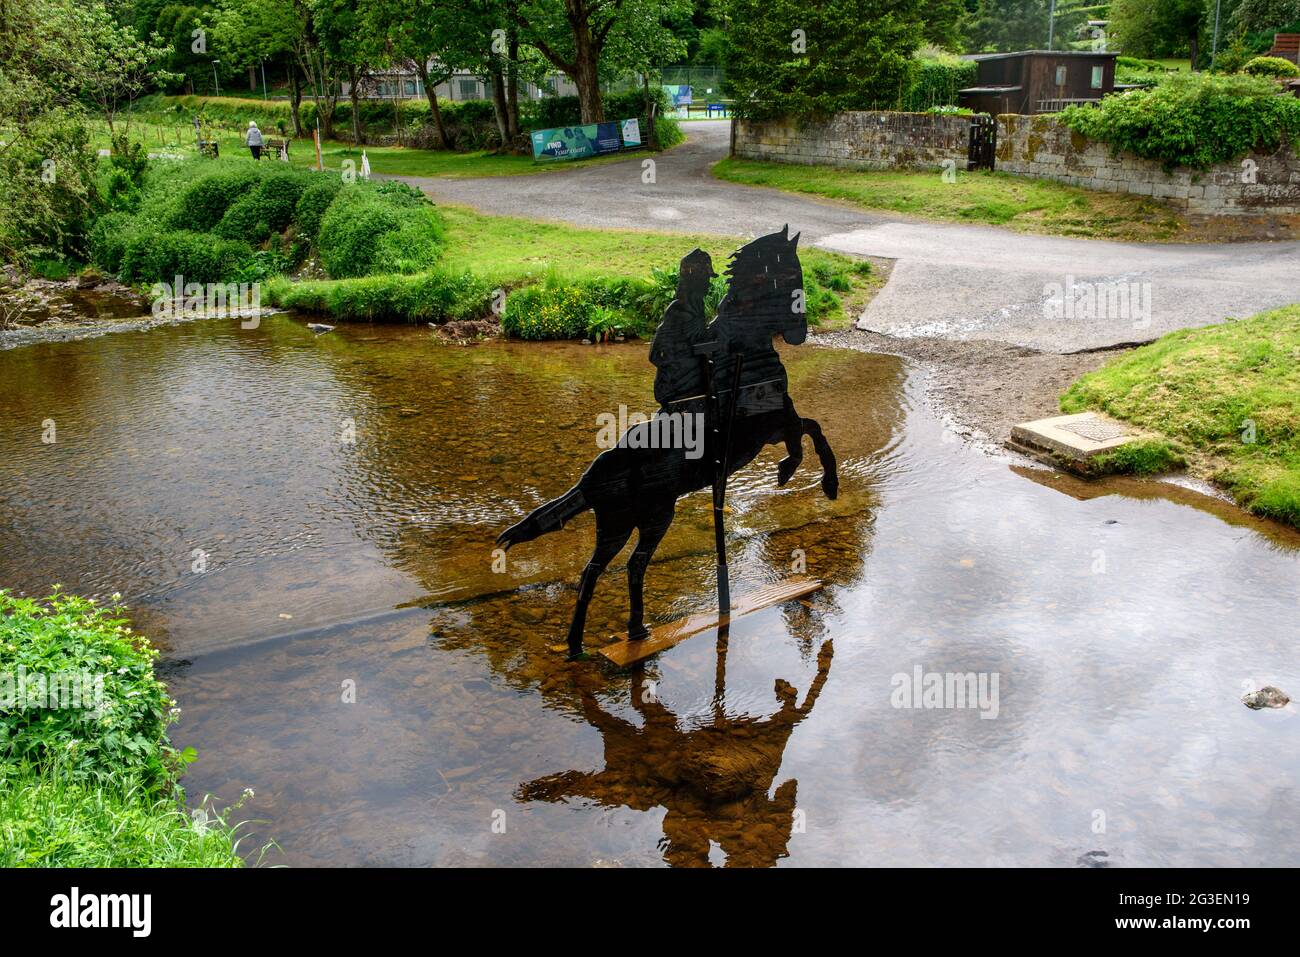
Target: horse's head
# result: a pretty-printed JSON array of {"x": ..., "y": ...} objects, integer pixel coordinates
[{"x": 765, "y": 294}]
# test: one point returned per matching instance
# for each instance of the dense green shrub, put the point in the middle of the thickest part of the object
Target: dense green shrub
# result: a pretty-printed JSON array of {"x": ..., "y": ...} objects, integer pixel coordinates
[
  {"x": 199, "y": 257},
  {"x": 88, "y": 777},
  {"x": 315, "y": 199},
  {"x": 935, "y": 82},
  {"x": 108, "y": 239},
  {"x": 267, "y": 208},
  {"x": 1271, "y": 66},
  {"x": 204, "y": 201},
  {"x": 367, "y": 231},
  {"x": 77, "y": 691},
  {"x": 1193, "y": 120}
]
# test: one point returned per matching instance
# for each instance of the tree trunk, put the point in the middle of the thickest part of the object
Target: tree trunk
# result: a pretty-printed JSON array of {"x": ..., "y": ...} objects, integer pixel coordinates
[
  {"x": 512, "y": 88},
  {"x": 651, "y": 136},
  {"x": 354, "y": 94},
  {"x": 252, "y": 79},
  {"x": 431, "y": 94},
  {"x": 1193, "y": 43},
  {"x": 498, "y": 84},
  {"x": 295, "y": 100},
  {"x": 586, "y": 58}
]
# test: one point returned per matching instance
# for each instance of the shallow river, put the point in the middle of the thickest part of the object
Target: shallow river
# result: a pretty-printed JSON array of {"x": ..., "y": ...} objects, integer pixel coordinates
[{"x": 300, "y": 521}]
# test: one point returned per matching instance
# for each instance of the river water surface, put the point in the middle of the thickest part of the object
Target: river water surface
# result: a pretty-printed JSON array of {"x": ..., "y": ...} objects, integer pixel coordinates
[{"x": 305, "y": 525}]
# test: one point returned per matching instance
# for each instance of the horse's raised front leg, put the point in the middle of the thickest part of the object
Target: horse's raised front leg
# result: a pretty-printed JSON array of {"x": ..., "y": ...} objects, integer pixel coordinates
[
  {"x": 830, "y": 471},
  {"x": 608, "y": 544},
  {"x": 792, "y": 433},
  {"x": 653, "y": 530}
]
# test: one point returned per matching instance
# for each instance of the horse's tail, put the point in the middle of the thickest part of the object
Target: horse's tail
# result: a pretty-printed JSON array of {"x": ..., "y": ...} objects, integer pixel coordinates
[{"x": 545, "y": 518}]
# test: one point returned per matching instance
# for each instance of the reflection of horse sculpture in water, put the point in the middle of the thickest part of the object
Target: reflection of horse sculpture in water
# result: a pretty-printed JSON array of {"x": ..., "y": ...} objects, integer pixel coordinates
[
  {"x": 636, "y": 484},
  {"x": 713, "y": 780}
]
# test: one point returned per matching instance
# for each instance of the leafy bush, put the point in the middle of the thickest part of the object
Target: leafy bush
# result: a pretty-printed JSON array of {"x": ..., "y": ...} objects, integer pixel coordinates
[
  {"x": 199, "y": 257},
  {"x": 548, "y": 311},
  {"x": 66, "y": 649},
  {"x": 315, "y": 199},
  {"x": 108, "y": 239},
  {"x": 366, "y": 231},
  {"x": 935, "y": 82},
  {"x": 263, "y": 210},
  {"x": 1271, "y": 66},
  {"x": 1193, "y": 120},
  {"x": 204, "y": 202}
]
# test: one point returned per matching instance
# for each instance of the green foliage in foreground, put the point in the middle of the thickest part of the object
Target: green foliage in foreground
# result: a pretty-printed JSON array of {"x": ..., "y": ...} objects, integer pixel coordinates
[
  {"x": 47, "y": 820},
  {"x": 94, "y": 655},
  {"x": 1230, "y": 393},
  {"x": 1193, "y": 120},
  {"x": 87, "y": 774}
]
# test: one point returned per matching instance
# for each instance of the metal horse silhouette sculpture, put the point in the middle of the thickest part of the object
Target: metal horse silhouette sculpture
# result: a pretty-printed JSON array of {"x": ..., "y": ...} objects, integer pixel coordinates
[{"x": 729, "y": 373}]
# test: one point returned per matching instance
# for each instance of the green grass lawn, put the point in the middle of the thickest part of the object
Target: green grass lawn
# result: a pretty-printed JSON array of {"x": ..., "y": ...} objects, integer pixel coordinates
[
  {"x": 514, "y": 249},
  {"x": 177, "y": 136},
  {"x": 1228, "y": 394},
  {"x": 996, "y": 199}
]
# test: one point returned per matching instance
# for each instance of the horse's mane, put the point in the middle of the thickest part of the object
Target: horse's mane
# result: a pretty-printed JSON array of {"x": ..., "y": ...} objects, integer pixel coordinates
[{"x": 761, "y": 278}]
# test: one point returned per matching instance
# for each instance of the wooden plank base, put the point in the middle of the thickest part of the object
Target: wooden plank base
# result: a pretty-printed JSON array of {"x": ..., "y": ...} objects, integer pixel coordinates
[{"x": 625, "y": 652}]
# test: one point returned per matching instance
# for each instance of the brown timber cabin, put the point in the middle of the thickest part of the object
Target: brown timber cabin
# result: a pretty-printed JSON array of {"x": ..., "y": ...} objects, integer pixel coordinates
[{"x": 1038, "y": 81}]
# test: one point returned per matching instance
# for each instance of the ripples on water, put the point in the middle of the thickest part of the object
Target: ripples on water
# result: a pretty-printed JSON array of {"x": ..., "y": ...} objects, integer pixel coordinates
[{"x": 1122, "y": 618}]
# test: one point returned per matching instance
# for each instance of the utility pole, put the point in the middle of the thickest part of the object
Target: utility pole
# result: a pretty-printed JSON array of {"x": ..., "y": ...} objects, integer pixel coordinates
[{"x": 1051, "y": 24}]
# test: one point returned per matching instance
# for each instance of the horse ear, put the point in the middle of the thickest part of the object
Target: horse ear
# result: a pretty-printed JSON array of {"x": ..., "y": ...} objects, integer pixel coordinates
[
  {"x": 795, "y": 242},
  {"x": 785, "y": 231}
]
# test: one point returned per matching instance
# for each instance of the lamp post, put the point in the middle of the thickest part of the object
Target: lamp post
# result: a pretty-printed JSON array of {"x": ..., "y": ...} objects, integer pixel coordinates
[
  {"x": 1051, "y": 24},
  {"x": 263, "y": 63},
  {"x": 215, "y": 82},
  {"x": 1214, "y": 46}
]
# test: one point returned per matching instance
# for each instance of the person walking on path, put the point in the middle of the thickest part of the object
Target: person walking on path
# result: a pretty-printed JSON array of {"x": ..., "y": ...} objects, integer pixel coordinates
[{"x": 254, "y": 137}]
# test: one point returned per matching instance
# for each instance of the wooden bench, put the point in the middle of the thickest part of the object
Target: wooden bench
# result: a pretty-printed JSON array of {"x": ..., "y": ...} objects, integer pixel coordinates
[
  {"x": 271, "y": 148},
  {"x": 1287, "y": 46}
]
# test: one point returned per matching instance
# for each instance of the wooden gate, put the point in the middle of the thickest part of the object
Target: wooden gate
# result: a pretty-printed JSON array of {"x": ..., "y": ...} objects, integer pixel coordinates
[{"x": 983, "y": 141}]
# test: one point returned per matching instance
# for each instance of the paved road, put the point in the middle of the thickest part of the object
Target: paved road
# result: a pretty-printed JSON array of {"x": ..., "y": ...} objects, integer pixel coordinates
[{"x": 953, "y": 281}]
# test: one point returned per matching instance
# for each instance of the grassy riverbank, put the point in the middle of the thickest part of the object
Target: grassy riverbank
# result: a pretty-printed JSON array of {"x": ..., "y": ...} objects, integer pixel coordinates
[
  {"x": 600, "y": 280},
  {"x": 1227, "y": 394},
  {"x": 995, "y": 199},
  {"x": 88, "y": 777}
]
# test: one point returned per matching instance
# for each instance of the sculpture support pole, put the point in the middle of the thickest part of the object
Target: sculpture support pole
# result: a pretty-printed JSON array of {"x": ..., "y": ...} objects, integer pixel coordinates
[{"x": 722, "y": 444}]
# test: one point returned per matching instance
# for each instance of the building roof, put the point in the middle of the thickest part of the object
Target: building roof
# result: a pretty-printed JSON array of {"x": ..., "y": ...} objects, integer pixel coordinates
[
  {"x": 990, "y": 89},
  {"x": 1095, "y": 54}
]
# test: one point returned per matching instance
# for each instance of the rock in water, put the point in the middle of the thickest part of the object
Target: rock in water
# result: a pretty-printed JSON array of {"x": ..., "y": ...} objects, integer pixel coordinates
[
  {"x": 1266, "y": 697},
  {"x": 319, "y": 327}
]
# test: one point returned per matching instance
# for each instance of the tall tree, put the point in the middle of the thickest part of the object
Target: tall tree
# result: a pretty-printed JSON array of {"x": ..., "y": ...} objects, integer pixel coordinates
[
  {"x": 1000, "y": 26},
  {"x": 819, "y": 57},
  {"x": 573, "y": 36},
  {"x": 1147, "y": 28}
]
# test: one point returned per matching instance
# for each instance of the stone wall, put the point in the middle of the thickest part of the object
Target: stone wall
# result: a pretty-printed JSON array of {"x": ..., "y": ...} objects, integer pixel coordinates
[
  {"x": 1259, "y": 183},
  {"x": 858, "y": 140},
  {"x": 1036, "y": 146}
]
